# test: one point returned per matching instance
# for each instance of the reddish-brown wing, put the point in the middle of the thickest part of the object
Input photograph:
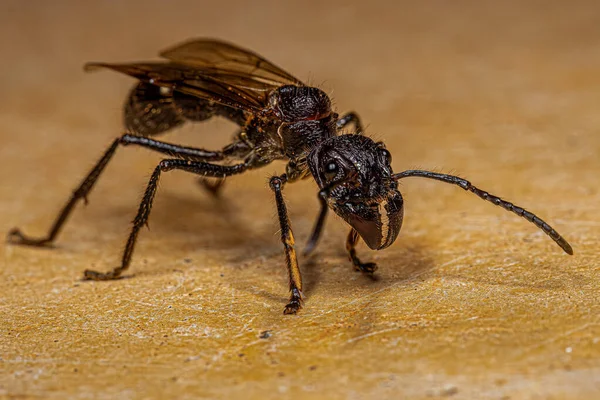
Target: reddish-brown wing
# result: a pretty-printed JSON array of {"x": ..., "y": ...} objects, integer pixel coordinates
[
  {"x": 212, "y": 70},
  {"x": 223, "y": 61}
]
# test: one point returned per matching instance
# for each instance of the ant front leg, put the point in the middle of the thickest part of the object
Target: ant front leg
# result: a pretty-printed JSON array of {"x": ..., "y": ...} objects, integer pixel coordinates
[
  {"x": 349, "y": 118},
  {"x": 287, "y": 238},
  {"x": 351, "y": 241},
  {"x": 318, "y": 227},
  {"x": 141, "y": 219}
]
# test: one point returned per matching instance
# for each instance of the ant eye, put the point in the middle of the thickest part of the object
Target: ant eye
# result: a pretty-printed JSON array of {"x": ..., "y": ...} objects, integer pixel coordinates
[
  {"x": 331, "y": 170},
  {"x": 387, "y": 155}
]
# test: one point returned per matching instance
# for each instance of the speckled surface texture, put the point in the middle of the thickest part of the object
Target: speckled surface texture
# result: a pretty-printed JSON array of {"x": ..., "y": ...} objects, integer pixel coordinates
[{"x": 470, "y": 302}]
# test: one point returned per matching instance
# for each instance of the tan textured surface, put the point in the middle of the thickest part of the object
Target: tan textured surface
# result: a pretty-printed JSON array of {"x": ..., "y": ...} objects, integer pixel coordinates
[{"x": 471, "y": 302}]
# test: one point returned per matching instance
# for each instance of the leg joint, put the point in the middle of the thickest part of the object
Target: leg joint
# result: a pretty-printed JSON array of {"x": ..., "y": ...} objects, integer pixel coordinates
[
  {"x": 276, "y": 182},
  {"x": 166, "y": 165},
  {"x": 128, "y": 138}
]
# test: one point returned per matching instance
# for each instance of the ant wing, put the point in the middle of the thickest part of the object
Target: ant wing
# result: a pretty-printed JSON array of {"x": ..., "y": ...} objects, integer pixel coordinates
[
  {"x": 230, "y": 64},
  {"x": 234, "y": 91}
]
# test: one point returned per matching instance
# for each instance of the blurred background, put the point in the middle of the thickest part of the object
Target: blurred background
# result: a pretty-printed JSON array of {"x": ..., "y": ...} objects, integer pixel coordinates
[{"x": 471, "y": 301}]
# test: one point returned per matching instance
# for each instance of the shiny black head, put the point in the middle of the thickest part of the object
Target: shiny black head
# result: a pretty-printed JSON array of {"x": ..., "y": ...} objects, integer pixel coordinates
[
  {"x": 355, "y": 173},
  {"x": 299, "y": 103}
]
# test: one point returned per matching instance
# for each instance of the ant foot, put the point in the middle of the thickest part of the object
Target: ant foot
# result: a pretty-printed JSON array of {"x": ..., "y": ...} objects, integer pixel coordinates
[
  {"x": 295, "y": 303},
  {"x": 367, "y": 268},
  {"x": 15, "y": 236},
  {"x": 90, "y": 275}
]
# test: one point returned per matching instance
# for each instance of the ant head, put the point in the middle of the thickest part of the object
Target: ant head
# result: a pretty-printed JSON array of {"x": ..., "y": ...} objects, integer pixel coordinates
[{"x": 355, "y": 175}]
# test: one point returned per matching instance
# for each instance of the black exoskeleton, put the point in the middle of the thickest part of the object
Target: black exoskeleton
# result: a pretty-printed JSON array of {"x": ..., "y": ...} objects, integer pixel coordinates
[{"x": 280, "y": 118}]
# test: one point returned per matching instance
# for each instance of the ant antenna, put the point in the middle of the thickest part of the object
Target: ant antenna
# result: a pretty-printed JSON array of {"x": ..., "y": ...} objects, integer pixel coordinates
[{"x": 466, "y": 185}]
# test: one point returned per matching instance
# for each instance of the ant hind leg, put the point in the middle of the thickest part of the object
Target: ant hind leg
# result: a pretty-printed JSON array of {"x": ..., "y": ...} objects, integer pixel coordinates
[{"x": 15, "y": 236}]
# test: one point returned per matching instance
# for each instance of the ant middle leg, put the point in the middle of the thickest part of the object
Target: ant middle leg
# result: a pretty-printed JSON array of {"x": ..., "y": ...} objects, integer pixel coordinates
[
  {"x": 238, "y": 149},
  {"x": 141, "y": 218}
]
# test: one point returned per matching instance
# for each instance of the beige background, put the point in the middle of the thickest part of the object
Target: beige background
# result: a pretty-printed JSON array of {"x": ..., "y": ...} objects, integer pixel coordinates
[{"x": 471, "y": 301}]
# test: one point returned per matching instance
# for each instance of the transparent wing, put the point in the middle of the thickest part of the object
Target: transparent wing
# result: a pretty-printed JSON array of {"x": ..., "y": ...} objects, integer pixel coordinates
[
  {"x": 213, "y": 70},
  {"x": 233, "y": 91},
  {"x": 229, "y": 63}
]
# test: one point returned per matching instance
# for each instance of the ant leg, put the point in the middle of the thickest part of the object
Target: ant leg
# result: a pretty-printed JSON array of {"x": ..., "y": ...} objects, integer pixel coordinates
[
  {"x": 348, "y": 118},
  {"x": 238, "y": 149},
  {"x": 213, "y": 186},
  {"x": 173, "y": 150},
  {"x": 141, "y": 219},
  {"x": 287, "y": 238},
  {"x": 15, "y": 236},
  {"x": 521, "y": 212},
  {"x": 351, "y": 241},
  {"x": 318, "y": 227}
]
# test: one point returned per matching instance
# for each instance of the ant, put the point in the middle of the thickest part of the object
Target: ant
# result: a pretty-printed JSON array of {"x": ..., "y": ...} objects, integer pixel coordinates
[{"x": 280, "y": 118}]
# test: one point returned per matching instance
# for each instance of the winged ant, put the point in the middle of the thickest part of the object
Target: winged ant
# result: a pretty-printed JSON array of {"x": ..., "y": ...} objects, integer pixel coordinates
[{"x": 280, "y": 118}]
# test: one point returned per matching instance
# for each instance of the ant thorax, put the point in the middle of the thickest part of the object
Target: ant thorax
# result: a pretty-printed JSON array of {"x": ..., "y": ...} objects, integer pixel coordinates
[{"x": 299, "y": 103}]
